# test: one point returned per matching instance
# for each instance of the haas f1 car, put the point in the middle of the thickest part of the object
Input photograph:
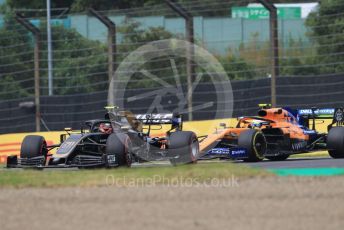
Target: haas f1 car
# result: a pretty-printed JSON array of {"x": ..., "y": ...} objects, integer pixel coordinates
[
  {"x": 275, "y": 134},
  {"x": 118, "y": 140}
]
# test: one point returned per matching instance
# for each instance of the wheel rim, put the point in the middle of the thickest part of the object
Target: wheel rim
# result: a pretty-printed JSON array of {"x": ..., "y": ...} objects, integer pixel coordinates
[
  {"x": 43, "y": 149},
  {"x": 260, "y": 145},
  {"x": 128, "y": 157},
  {"x": 194, "y": 150}
]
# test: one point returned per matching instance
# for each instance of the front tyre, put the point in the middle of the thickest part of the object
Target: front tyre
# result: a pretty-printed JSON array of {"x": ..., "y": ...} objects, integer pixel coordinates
[
  {"x": 255, "y": 143},
  {"x": 33, "y": 151},
  {"x": 33, "y": 146},
  {"x": 119, "y": 145},
  {"x": 183, "y": 147},
  {"x": 335, "y": 142}
]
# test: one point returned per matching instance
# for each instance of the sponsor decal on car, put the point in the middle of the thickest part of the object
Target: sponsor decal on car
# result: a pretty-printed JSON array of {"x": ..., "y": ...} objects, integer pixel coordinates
[
  {"x": 328, "y": 111},
  {"x": 238, "y": 153},
  {"x": 111, "y": 160},
  {"x": 70, "y": 143},
  {"x": 219, "y": 151},
  {"x": 309, "y": 132},
  {"x": 156, "y": 118},
  {"x": 235, "y": 153}
]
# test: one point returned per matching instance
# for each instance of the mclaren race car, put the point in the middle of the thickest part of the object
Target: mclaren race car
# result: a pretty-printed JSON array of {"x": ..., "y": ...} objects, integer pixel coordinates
[
  {"x": 275, "y": 134},
  {"x": 118, "y": 140}
]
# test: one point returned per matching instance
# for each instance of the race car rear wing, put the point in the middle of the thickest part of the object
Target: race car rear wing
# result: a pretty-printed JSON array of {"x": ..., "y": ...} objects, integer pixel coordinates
[
  {"x": 116, "y": 116},
  {"x": 176, "y": 120},
  {"x": 325, "y": 113},
  {"x": 336, "y": 114}
]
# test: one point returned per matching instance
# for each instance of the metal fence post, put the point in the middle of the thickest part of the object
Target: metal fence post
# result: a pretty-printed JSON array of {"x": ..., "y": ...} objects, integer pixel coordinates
[
  {"x": 111, "y": 39},
  {"x": 112, "y": 48},
  {"x": 274, "y": 47},
  {"x": 190, "y": 68},
  {"x": 36, "y": 33}
]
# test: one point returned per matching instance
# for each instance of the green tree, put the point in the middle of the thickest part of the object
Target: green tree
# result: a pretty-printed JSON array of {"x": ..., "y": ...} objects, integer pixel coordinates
[
  {"x": 134, "y": 36},
  {"x": 297, "y": 58},
  {"x": 38, "y": 4},
  {"x": 80, "y": 65},
  {"x": 237, "y": 68},
  {"x": 201, "y": 7},
  {"x": 78, "y": 5},
  {"x": 326, "y": 31},
  {"x": 16, "y": 66}
]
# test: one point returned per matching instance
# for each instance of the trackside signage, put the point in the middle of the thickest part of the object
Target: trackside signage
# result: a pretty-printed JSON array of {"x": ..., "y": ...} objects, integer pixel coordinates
[{"x": 262, "y": 13}]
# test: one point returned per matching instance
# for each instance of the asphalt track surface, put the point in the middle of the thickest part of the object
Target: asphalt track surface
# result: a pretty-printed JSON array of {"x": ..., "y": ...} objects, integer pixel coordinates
[
  {"x": 314, "y": 162},
  {"x": 307, "y": 162}
]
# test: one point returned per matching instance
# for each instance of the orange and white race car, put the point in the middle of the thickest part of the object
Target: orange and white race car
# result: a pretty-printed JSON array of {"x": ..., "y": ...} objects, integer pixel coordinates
[{"x": 275, "y": 134}]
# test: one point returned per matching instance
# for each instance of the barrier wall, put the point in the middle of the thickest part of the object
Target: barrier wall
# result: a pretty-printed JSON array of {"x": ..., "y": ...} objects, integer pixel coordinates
[{"x": 72, "y": 110}]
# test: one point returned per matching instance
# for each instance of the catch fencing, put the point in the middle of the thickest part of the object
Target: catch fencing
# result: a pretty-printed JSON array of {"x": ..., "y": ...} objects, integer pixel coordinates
[{"x": 309, "y": 73}]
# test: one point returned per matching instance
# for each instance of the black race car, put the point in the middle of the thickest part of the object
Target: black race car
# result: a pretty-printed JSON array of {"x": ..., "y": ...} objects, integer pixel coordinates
[{"x": 118, "y": 140}]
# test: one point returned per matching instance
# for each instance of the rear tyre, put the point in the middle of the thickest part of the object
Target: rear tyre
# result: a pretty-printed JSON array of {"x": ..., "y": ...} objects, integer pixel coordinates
[
  {"x": 335, "y": 142},
  {"x": 183, "y": 147},
  {"x": 277, "y": 158},
  {"x": 255, "y": 143},
  {"x": 119, "y": 144},
  {"x": 33, "y": 146}
]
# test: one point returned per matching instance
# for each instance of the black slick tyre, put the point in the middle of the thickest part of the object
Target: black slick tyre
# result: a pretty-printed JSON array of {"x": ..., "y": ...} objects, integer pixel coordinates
[
  {"x": 183, "y": 147},
  {"x": 335, "y": 142},
  {"x": 119, "y": 144},
  {"x": 33, "y": 146},
  {"x": 255, "y": 144}
]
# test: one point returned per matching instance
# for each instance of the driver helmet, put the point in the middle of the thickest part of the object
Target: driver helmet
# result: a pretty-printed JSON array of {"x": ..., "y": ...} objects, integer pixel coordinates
[{"x": 105, "y": 128}]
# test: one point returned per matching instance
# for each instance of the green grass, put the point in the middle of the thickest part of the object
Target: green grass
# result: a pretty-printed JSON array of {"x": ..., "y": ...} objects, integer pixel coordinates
[{"x": 202, "y": 172}]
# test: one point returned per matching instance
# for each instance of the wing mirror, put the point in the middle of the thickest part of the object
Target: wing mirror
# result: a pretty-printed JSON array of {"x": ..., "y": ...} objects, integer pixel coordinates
[
  {"x": 68, "y": 130},
  {"x": 223, "y": 125}
]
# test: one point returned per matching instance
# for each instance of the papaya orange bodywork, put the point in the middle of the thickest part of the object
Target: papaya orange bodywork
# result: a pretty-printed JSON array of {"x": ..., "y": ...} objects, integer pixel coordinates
[
  {"x": 274, "y": 117},
  {"x": 228, "y": 133}
]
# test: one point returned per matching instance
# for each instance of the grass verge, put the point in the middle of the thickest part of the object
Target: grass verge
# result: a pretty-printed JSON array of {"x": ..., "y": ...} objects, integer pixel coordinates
[{"x": 124, "y": 176}]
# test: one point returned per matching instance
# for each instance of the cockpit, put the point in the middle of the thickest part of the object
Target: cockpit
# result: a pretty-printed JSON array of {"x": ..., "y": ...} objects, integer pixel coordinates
[
  {"x": 253, "y": 122},
  {"x": 277, "y": 115},
  {"x": 267, "y": 117}
]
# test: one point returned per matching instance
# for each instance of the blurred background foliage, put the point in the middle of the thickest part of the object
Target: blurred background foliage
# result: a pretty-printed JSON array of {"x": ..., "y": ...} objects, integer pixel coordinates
[{"x": 80, "y": 61}]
